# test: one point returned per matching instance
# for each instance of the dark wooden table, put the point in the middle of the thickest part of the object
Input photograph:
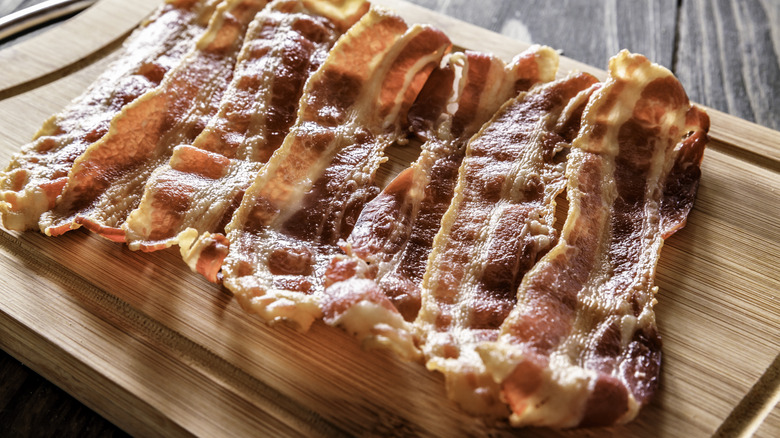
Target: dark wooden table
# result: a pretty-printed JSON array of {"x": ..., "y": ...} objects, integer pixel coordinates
[{"x": 724, "y": 52}]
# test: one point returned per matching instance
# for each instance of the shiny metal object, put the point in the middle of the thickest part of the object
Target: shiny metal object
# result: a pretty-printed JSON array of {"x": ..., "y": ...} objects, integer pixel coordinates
[{"x": 41, "y": 13}]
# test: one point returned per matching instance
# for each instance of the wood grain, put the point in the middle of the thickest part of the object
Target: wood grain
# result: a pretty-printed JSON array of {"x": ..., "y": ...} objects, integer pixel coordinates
[
  {"x": 598, "y": 29},
  {"x": 725, "y": 52},
  {"x": 727, "y": 56},
  {"x": 159, "y": 351},
  {"x": 56, "y": 53}
]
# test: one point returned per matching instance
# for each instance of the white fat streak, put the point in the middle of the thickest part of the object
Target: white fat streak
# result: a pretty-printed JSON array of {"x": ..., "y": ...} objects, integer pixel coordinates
[
  {"x": 431, "y": 151},
  {"x": 281, "y": 306},
  {"x": 247, "y": 66},
  {"x": 429, "y": 310},
  {"x": 411, "y": 73},
  {"x": 345, "y": 134},
  {"x": 33, "y": 199},
  {"x": 377, "y": 327},
  {"x": 363, "y": 175},
  {"x": 459, "y": 63},
  {"x": 265, "y": 182},
  {"x": 469, "y": 347},
  {"x": 215, "y": 23},
  {"x": 213, "y": 200},
  {"x": 592, "y": 308},
  {"x": 366, "y": 104}
]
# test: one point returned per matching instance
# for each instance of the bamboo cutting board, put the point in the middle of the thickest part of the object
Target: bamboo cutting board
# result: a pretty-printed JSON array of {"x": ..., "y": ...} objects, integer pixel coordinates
[{"x": 159, "y": 351}]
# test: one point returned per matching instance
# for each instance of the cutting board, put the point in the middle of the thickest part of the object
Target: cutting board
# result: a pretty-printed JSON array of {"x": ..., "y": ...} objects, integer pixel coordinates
[{"x": 158, "y": 350}]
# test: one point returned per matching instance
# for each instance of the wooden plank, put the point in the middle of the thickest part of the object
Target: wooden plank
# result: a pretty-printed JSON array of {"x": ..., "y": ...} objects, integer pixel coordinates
[
  {"x": 727, "y": 57},
  {"x": 143, "y": 376},
  {"x": 594, "y": 31},
  {"x": 57, "y": 52},
  {"x": 112, "y": 316}
]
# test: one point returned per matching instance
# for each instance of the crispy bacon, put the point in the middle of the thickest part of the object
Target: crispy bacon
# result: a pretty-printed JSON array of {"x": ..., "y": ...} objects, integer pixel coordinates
[
  {"x": 185, "y": 140},
  {"x": 36, "y": 176},
  {"x": 498, "y": 224},
  {"x": 395, "y": 231},
  {"x": 581, "y": 347},
  {"x": 202, "y": 185},
  {"x": 308, "y": 195},
  {"x": 106, "y": 182}
]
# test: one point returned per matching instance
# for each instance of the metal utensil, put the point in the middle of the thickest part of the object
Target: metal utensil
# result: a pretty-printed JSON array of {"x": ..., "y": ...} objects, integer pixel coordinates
[{"x": 41, "y": 13}]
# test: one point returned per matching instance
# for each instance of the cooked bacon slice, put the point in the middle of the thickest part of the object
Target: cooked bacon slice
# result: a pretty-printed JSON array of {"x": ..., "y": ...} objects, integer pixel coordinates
[
  {"x": 499, "y": 223},
  {"x": 106, "y": 182},
  {"x": 308, "y": 195},
  {"x": 395, "y": 231},
  {"x": 35, "y": 177},
  {"x": 582, "y": 348},
  {"x": 202, "y": 185}
]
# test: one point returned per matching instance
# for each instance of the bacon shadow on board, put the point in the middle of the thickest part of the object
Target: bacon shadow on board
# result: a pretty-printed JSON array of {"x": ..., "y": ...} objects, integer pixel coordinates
[
  {"x": 308, "y": 195},
  {"x": 202, "y": 185},
  {"x": 106, "y": 182},
  {"x": 581, "y": 348},
  {"x": 500, "y": 221},
  {"x": 36, "y": 176},
  {"x": 375, "y": 290}
]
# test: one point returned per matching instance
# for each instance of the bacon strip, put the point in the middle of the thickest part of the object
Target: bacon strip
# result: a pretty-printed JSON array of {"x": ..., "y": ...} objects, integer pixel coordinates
[
  {"x": 202, "y": 185},
  {"x": 498, "y": 224},
  {"x": 36, "y": 176},
  {"x": 394, "y": 233},
  {"x": 308, "y": 195},
  {"x": 582, "y": 348},
  {"x": 106, "y": 182}
]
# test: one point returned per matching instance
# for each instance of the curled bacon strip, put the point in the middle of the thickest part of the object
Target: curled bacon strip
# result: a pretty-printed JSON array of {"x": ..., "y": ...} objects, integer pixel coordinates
[
  {"x": 106, "y": 182},
  {"x": 581, "y": 347},
  {"x": 202, "y": 185},
  {"x": 36, "y": 176},
  {"x": 394, "y": 233},
  {"x": 308, "y": 195},
  {"x": 498, "y": 224}
]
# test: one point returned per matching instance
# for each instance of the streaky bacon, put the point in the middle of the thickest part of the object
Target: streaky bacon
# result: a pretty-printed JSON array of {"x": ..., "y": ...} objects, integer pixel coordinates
[
  {"x": 581, "y": 347},
  {"x": 394, "y": 233},
  {"x": 308, "y": 195},
  {"x": 202, "y": 185},
  {"x": 106, "y": 182},
  {"x": 36, "y": 175},
  {"x": 499, "y": 223}
]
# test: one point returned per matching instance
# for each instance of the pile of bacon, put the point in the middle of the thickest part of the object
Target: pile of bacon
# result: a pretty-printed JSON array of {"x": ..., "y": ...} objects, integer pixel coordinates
[{"x": 249, "y": 134}]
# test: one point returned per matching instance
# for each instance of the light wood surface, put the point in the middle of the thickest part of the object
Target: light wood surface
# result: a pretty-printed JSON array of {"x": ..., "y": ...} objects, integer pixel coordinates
[
  {"x": 159, "y": 351},
  {"x": 56, "y": 53}
]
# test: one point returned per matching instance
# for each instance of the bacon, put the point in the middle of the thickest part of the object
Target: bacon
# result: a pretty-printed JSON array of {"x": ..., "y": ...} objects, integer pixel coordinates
[
  {"x": 581, "y": 348},
  {"x": 36, "y": 176},
  {"x": 309, "y": 193},
  {"x": 499, "y": 223},
  {"x": 202, "y": 185},
  {"x": 394, "y": 233},
  {"x": 106, "y": 182}
]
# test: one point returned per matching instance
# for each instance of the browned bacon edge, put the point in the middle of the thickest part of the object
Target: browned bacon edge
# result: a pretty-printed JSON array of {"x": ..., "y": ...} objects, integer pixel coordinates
[
  {"x": 395, "y": 231},
  {"x": 499, "y": 223},
  {"x": 202, "y": 185},
  {"x": 106, "y": 182},
  {"x": 36, "y": 176},
  {"x": 308, "y": 195},
  {"x": 582, "y": 347}
]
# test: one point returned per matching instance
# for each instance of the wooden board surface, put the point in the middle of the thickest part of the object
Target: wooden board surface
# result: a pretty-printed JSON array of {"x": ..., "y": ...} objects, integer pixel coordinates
[{"x": 159, "y": 351}]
